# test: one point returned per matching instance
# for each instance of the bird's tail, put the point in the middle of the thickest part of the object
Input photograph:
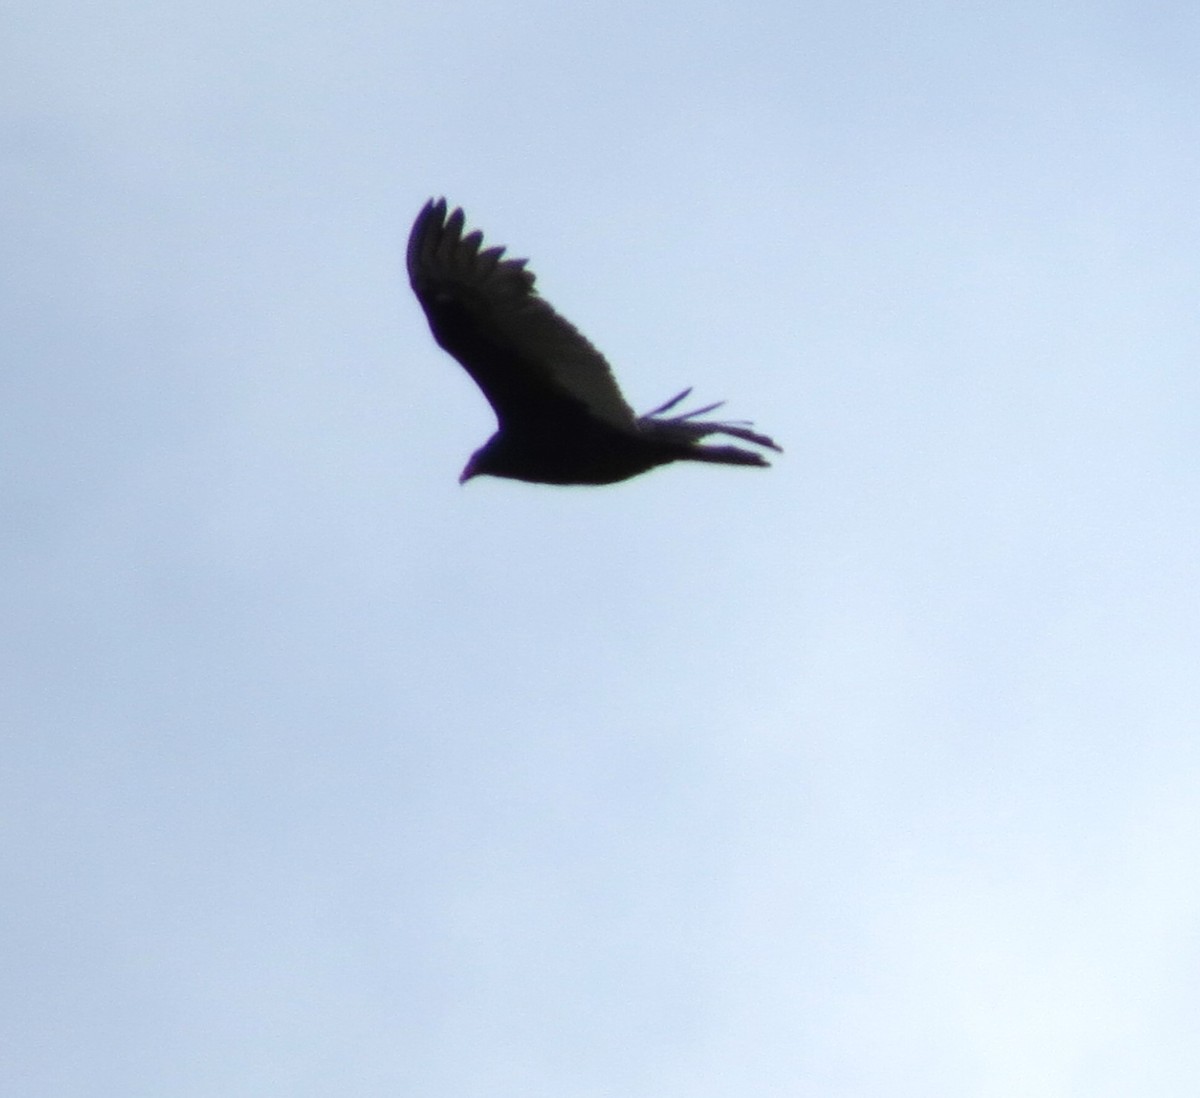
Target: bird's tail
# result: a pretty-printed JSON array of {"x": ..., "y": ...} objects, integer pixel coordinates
[
  {"x": 724, "y": 455},
  {"x": 688, "y": 430}
]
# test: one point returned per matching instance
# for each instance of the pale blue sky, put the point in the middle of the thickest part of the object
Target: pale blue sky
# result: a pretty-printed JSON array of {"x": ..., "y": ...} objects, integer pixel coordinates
[{"x": 873, "y": 774}]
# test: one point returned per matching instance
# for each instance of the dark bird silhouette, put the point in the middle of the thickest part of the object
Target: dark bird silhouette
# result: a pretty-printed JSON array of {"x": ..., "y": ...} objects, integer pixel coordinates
[{"x": 561, "y": 416}]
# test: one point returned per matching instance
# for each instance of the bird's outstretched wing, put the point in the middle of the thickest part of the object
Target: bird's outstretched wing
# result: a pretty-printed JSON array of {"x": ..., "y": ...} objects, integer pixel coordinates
[{"x": 483, "y": 309}]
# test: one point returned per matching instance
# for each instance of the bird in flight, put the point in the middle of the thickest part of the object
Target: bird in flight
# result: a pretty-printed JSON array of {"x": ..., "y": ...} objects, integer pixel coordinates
[{"x": 561, "y": 417}]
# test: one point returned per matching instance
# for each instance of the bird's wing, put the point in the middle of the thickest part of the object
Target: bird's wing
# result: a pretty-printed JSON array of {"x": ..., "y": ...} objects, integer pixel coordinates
[{"x": 483, "y": 309}]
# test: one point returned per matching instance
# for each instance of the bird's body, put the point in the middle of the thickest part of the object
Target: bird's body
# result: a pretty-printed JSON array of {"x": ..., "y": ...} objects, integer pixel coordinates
[{"x": 561, "y": 417}]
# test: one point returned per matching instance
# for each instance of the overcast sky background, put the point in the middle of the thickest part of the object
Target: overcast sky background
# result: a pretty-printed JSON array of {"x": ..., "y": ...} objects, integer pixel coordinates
[{"x": 873, "y": 774}]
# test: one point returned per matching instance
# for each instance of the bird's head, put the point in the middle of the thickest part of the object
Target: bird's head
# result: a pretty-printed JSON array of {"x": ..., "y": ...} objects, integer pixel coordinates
[
  {"x": 482, "y": 463},
  {"x": 471, "y": 469}
]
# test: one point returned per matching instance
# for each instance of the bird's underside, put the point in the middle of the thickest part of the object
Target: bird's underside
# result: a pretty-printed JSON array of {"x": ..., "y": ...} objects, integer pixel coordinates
[
  {"x": 561, "y": 416},
  {"x": 585, "y": 450}
]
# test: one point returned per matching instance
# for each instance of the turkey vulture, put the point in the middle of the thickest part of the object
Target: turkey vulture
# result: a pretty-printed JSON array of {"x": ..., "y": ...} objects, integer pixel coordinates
[{"x": 562, "y": 419}]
